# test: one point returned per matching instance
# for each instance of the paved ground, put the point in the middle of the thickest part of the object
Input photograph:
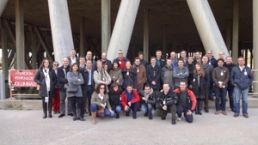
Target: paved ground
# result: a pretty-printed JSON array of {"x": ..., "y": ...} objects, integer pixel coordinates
[{"x": 28, "y": 128}]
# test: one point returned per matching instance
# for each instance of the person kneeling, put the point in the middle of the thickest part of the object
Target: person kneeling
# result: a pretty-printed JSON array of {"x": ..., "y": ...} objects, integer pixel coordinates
[
  {"x": 130, "y": 100},
  {"x": 147, "y": 101},
  {"x": 166, "y": 103},
  {"x": 186, "y": 102},
  {"x": 99, "y": 102}
]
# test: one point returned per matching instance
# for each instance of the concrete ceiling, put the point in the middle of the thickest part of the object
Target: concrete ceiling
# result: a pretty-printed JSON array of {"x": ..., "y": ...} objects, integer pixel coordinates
[{"x": 173, "y": 13}]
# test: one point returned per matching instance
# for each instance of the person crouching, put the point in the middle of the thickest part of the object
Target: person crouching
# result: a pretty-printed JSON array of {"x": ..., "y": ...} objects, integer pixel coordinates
[{"x": 148, "y": 100}]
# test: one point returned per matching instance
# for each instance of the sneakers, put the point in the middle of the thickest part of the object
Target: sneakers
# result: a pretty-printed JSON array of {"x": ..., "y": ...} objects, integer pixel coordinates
[{"x": 179, "y": 119}]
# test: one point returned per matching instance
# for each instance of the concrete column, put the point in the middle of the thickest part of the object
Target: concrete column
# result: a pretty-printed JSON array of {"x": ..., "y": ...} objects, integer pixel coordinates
[
  {"x": 207, "y": 27},
  {"x": 4, "y": 43},
  {"x": 123, "y": 28},
  {"x": 228, "y": 35},
  {"x": 60, "y": 28},
  {"x": 146, "y": 34},
  {"x": 164, "y": 41},
  {"x": 33, "y": 48},
  {"x": 19, "y": 24},
  {"x": 105, "y": 24},
  {"x": 82, "y": 37},
  {"x": 2, "y": 6},
  {"x": 235, "y": 30},
  {"x": 255, "y": 42}
]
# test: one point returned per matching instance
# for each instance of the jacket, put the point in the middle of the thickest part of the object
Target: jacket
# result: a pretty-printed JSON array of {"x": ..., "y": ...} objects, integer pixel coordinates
[
  {"x": 180, "y": 74},
  {"x": 162, "y": 62},
  {"x": 213, "y": 62},
  {"x": 220, "y": 74},
  {"x": 114, "y": 99},
  {"x": 101, "y": 76},
  {"x": 208, "y": 70},
  {"x": 167, "y": 75},
  {"x": 243, "y": 79},
  {"x": 135, "y": 98},
  {"x": 191, "y": 70},
  {"x": 168, "y": 100},
  {"x": 85, "y": 75},
  {"x": 174, "y": 62},
  {"x": 116, "y": 74},
  {"x": 108, "y": 62},
  {"x": 198, "y": 89},
  {"x": 76, "y": 59},
  {"x": 151, "y": 97},
  {"x": 144, "y": 63},
  {"x": 141, "y": 76},
  {"x": 40, "y": 80},
  {"x": 129, "y": 78},
  {"x": 191, "y": 103},
  {"x": 95, "y": 99},
  {"x": 73, "y": 82},
  {"x": 61, "y": 80},
  {"x": 230, "y": 67},
  {"x": 153, "y": 74},
  {"x": 122, "y": 66}
]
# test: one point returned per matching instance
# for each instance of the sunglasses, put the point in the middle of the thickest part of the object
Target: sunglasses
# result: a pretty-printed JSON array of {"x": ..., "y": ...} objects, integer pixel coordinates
[
  {"x": 102, "y": 88},
  {"x": 56, "y": 64}
]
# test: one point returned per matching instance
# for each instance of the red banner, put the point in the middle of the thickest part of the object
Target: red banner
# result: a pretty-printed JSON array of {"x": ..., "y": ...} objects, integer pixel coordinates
[{"x": 22, "y": 78}]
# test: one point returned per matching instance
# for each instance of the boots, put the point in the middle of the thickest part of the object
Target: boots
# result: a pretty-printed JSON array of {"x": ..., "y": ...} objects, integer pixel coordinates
[
  {"x": 196, "y": 109},
  {"x": 199, "y": 107},
  {"x": 74, "y": 117},
  {"x": 45, "y": 110},
  {"x": 50, "y": 114},
  {"x": 93, "y": 117}
]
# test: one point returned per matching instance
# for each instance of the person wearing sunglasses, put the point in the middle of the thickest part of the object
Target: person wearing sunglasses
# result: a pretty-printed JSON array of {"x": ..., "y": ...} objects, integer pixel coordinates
[{"x": 56, "y": 99}]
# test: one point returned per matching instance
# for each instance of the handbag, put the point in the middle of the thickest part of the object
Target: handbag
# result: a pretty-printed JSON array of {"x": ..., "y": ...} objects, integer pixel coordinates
[
  {"x": 72, "y": 89},
  {"x": 100, "y": 113}
]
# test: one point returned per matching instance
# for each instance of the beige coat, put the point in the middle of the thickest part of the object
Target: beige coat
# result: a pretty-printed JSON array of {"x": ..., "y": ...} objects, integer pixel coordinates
[
  {"x": 101, "y": 77},
  {"x": 116, "y": 74},
  {"x": 95, "y": 99}
]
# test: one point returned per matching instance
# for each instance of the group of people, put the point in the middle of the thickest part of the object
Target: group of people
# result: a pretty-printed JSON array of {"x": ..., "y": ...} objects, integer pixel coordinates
[{"x": 176, "y": 86}]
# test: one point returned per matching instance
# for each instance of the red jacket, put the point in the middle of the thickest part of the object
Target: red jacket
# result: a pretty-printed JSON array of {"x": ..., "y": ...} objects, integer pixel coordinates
[
  {"x": 190, "y": 95},
  {"x": 135, "y": 98}
]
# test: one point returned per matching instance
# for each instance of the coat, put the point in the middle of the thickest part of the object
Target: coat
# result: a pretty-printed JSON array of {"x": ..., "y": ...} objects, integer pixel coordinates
[
  {"x": 101, "y": 77},
  {"x": 191, "y": 100},
  {"x": 73, "y": 82},
  {"x": 213, "y": 62},
  {"x": 167, "y": 75},
  {"x": 108, "y": 62},
  {"x": 198, "y": 89},
  {"x": 230, "y": 67},
  {"x": 130, "y": 78},
  {"x": 85, "y": 75},
  {"x": 61, "y": 80},
  {"x": 135, "y": 98},
  {"x": 40, "y": 80},
  {"x": 116, "y": 74},
  {"x": 154, "y": 74},
  {"x": 218, "y": 77},
  {"x": 114, "y": 99},
  {"x": 180, "y": 74},
  {"x": 151, "y": 99},
  {"x": 208, "y": 71},
  {"x": 69, "y": 59},
  {"x": 162, "y": 62},
  {"x": 95, "y": 99},
  {"x": 169, "y": 99},
  {"x": 141, "y": 76},
  {"x": 191, "y": 70},
  {"x": 144, "y": 63},
  {"x": 243, "y": 79}
]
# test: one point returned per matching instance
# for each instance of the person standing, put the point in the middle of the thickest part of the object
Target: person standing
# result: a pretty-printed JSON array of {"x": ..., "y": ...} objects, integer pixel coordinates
[
  {"x": 153, "y": 72},
  {"x": 183, "y": 56},
  {"x": 106, "y": 61},
  {"x": 190, "y": 66},
  {"x": 197, "y": 57},
  {"x": 72, "y": 58},
  {"x": 173, "y": 59},
  {"x": 220, "y": 76},
  {"x": 129, "y": 75},
  {"x": 56, "y": 99},
  {"x": 167, "y": 74},
  {"x": 46, "y": 78},
  {"x": 212, "y": 61},
  {"x": 140, "y": 72},
  {"x": 101, "y": 76},
  {"x": 116, "y": 74},
  {"x": 143, "y": 62},
  {"x": 121, "y": 60},
  {"x": 159, "y": 60},
  {"x": 242, "y": 78},
  {"x": 180, "y": 73}
]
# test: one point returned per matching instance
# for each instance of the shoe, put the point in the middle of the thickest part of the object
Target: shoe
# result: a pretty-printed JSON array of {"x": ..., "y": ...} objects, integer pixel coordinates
[
  {"x": 179, "y": 119},
  {"x": 206, "y": 111},
  {"x": 236, "y": 115},
  {"x": 199, "y": 112},
  {"x": 45, "y": 116},
  {"x": 81, "y": 118},
  {"x": 233, "y": 110},
  {"x": 224, "y": 112},
  {"x": 50, "y": 116},
  {"x": 55, "y": 112},
  {"x": 78, "y": 118},
  {"x": 212, "y": 99},
  {"x": 74, "y": 118},
  {"x": 127, "y": 114},
  {"x": 93, "y": 117},
  {"x": 117, "y": 116},
  {"x": 145, "y": 114},
  {"x": 134, "y": 117},
  {"x": 196, "y": 113},
  {"x": 70, "y": 114},
  {"x": 61, "y": 115},
  {"x": 246, "y": 116},
  {"x": 150, "y": 117},
  {"x": 216, "y": 113},
  {"x": 163, "y": 118},
  {"x": 173, "y": 122}
]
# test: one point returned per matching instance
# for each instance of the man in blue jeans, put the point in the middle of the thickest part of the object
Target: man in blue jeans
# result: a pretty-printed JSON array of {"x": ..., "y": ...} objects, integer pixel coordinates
[
  {"x": 220, "y": 77},
  {"x": 242, "y": 78},
  {"x": 147, "y": 101}
]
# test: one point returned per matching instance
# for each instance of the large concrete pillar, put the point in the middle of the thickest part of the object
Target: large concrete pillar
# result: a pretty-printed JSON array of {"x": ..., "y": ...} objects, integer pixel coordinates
[
  {"x": 60, "y": 28},
  {"x": 207, "y": 27},
  {"x": 255, "y": 43},
  {"x": 2, "y": 6},
  {"x": 105, "y": 24},
  {"x": 123, "y": 28},
  {"x": 82, "y": 37},
  {"x": 19, "y": 31},
  {"x": 146, "y": 34},
  {"x": 235, "y": 30}
]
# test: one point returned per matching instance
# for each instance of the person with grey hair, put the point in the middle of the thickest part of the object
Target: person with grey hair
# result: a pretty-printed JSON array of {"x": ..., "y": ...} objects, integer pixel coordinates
[
  {"x": 121, "y": 60},
  {"x": 56, "y": 99},
  {"x": 222, "y": 55},
  {"x": 167, "y": 74},
  {"x": 72, "y": 58},
  {"x": 105, "y": 60},
  {"x": 173, "y": 59},
  {"x": 183, "y": 56}
]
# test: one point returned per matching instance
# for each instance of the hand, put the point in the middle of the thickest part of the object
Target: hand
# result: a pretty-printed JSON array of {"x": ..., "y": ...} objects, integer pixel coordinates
[
  {"x": 220, "y": 86},
  {"x": 126, "y": 108},
  {"x": 143, "y": 98},
  {"x": 189, "y": 112},
  {"x": 79, "y": 80},
  {"x": 164, "y": 108},
  {"x": 117, "y": 81},
  {"x": 153, "y": 83},
  {"x": 235, "y": 85},
  {"x": 103, "y": 105},
  {"x": 191, "y": 86},
  {"x": 107, "y": 83},
  {"x": 161, "y": 90},
  {"x": 111, "y": 111},
  {"x": 129, "y": 103},
  {"x": 66, "y": 85}
]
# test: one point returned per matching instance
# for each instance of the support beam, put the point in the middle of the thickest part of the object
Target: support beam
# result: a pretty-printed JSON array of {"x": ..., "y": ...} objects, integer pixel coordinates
[
  {"x": 33, "y": 48},
  {"x": 123, "y": 28},
  {"x": 19, "y": 24},
  {"x": 146, "y": 34},
  {"x": 235, "y": 46},
  {"x": 82, "y": 37},
  {"x": 255, "y": 43},
  {"x": 4, "y": 43},
  {"x": 60, "y": 28},
  {"x": 105, "y": 24},
  {"x": 207, "y": 26},
  {"x": 2, "y": 6},
  {"x": 229, "y": 35},
  {"x": 164, "y": 51}
]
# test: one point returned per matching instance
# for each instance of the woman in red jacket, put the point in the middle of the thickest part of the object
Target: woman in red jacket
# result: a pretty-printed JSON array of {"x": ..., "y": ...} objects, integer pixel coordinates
[{"x": 130, "y": 100}]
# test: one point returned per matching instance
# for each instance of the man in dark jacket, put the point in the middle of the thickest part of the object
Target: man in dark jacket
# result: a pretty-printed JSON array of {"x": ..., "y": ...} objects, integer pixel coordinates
[
  {"x": 143, "y": 62},
  {"x": 183, "y": 56},
  {"x": 129, "y": 75},
  {"x": 148, "y": 101},
  {"x": 180, "y": 73},
  {"x": 106, "y": 61},
  {"x": 190, "y": 66},
  {"x": 220, "y": 77},
  {"x": 62, "y": 84},
  {"x": 166, "y": 103},
  {"x": 212, "y": 61},
  {"x": 167, "y": 74},
  {"x": 186, "y": 102},
  {"x": 121, "y": 60},
  {"x": 153, "y": 73},
  {"x": 197, "y": 57},
  {"x": 72, "y": 58},
  {"x": 242, "y": 78},
  {"x": 208, "y": 72},
  {"x": 159, "y": 60},
  {"x": 230, "y": 65}
]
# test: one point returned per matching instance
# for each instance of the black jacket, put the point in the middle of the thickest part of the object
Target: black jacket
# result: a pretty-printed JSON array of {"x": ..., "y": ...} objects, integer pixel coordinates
[
  {"x": 129, "y": 79},
  {"x": 108, "y": 62},
  {"x": 208, "y": 70},
  {"x": 162, "y": 62},
  {"x": 151, "y": 99},
  {"x": 61, "y": 80},
  {"x": 230, "y": 67},
  {"x": 198, "y": 90},
  {"x": 153, "y": 74},
  {"x": 114, "y": 99},
  {"x": 144, "y": 63},
  {"x": 169, "y": 99},
  {"x": 85, "y": 75},
  {"x": 40, "y": 79},
  {"x": 190, "y": 69}
]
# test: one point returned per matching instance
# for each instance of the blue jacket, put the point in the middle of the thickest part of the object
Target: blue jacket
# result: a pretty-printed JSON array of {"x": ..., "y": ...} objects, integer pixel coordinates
[
  {"x": 213, "y": 62},
  {"x": 243, "y": 79}
]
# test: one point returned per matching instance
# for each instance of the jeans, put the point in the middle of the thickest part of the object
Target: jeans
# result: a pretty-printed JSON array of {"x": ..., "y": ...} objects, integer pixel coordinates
[
  {"x": 87, "y": 92},
  {"x": 117, "y": 109},
  {"x": 220, "y": 98},
  {"x": 211, "y": 89},
  {"x": 94, "y": 108},
  {"x": 134, "y": 108},
  {"x": 62, "y": 103},
  {"x": 79, "y": 101},
  {"x": 206, "y": 102},
  {"x": 180, "y": 110},
  {"x": 231, "y": 98},
  {"x": 146, "y": 108},
  {"x": 238, "y": 93}
]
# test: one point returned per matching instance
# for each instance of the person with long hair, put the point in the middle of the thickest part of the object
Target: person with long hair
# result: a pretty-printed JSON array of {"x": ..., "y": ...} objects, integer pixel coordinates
[
  {"x": 114, "y": 98},
  {"x": 74, "y": 91},
  {"x": 197, "y": 83},
  {"x": 56, "y": 99},
  {"x": 46, "y": 78},
  {"x": 116, "y": 74},
  {"x": 100, "y": 101}
]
